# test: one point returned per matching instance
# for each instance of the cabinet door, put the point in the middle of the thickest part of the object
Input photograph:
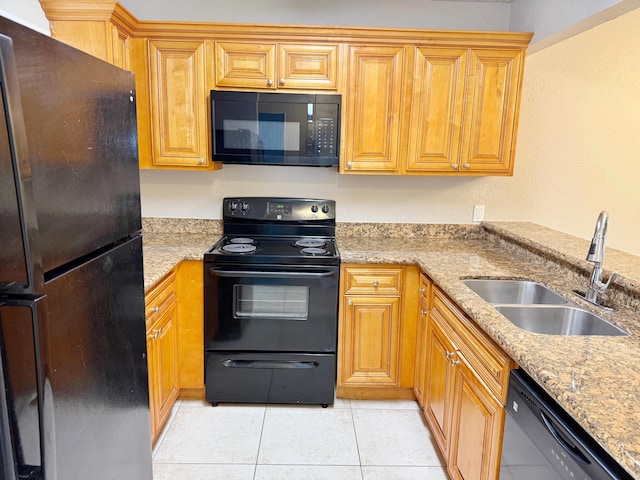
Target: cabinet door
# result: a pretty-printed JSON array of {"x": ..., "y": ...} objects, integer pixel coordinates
[
  {"x": 492, "y": 107},
  {"x": 167, "y": 363},
  {"x": 477, "y": 423},
  {"x": 310, "y": 67},
  {"x": 374, "y": 109},
  {"x": 178, "y": 104},
  {"x": 439, "y": 381},
  {"x": 436, "y": 111},
  {"x": 420, "y": 379},
  {"x": 152, "y": 366},
  {"x": 370, "y": 341},
  {"x": 120, "y": 49},
  {"x": 245, "y": 65}
]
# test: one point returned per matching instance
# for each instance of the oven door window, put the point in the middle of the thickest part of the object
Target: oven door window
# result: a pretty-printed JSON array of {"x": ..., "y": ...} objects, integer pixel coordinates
[{"x": 284, "y": 302}]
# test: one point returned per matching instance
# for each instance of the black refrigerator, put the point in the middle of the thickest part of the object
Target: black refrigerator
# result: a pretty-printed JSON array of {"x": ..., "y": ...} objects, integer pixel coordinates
[{"x": 74, "y": 399}]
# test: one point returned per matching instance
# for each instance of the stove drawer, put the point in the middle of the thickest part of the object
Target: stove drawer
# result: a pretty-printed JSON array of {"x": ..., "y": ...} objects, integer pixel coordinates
[{"x": 270, "y": 378}]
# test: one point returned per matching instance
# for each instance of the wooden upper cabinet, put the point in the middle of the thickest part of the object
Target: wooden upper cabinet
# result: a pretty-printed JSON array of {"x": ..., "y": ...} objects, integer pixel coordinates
[
  {"x": 436, "y": 113},
  {"x": 277, "y": 66},
  {"x": 374, "y": 109},
  {"x": 464, "y": 111},
  {"x": 492, "y": 109},
  {"x": 179, "y": 128},
  {"x": 120, "y": 48}
]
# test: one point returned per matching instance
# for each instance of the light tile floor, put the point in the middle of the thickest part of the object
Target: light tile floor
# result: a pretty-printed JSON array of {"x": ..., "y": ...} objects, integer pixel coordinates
[{"x": 351, "y": 440}]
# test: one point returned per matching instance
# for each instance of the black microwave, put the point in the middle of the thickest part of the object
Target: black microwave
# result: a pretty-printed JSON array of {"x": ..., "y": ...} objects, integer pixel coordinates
[{"x": 275, "y": 128}]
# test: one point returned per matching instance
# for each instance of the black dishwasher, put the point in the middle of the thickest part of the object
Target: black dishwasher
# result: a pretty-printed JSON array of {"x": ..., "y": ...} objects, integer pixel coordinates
[{"x": 542, "y": 442}]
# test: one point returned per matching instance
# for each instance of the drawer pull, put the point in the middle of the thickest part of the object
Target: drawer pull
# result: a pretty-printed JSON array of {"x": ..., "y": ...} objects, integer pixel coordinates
[
  {"x": 156, "y": 334},
  {"x": 154, "y": 310},
  {"x": 375, "y": 283}
]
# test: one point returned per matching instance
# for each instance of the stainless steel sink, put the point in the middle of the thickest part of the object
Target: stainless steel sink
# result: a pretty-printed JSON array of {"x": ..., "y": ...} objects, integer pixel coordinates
[
  {"x": 514, "y": 292},
  {"x": 558, "y": 320}
]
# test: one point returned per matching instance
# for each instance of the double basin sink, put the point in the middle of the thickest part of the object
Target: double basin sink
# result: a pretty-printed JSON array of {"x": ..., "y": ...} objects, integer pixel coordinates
[{"x": 538, "y": 309}]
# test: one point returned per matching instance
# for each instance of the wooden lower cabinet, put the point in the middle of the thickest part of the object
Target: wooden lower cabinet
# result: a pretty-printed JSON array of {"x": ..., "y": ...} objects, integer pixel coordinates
[
  {"x": 191, "y": 329},
  {"x": 175, "y": 341},
  {"x": 376, "y": 331},
  {"x": 162, "y": 349},
  {"x": 464, "y": 410},
  {"x": 478, "y": 422}
]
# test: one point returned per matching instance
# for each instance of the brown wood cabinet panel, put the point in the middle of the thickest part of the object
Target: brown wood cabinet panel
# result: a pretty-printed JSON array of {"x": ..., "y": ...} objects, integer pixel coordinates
[
  {"x": 312, "y": 66},
  {"x": 373, "y": 281},
  {"x": 436, "y": 112},
  {"x": 245, "y": 65},
  {"x": 494, "y": 80},
  {"x": 178, "y": 103},
  {"x": 160, "y": 304},
  {"x": 371, "y": 337},
  {"x": 478, "y": 420},
  {"x": 439, "y": 381},
  {"x": 191, "y": 329},
  {"x": 374, "y": 109},
  {"x": 489, "y": 361}
]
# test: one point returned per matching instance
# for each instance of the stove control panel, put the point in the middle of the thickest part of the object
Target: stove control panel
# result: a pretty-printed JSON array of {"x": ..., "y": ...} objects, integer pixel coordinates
[{"x": 279, "y": 209}]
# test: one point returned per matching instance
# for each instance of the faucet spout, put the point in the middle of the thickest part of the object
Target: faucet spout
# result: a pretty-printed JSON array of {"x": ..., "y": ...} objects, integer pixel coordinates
[
  {"x": 596, "y": 249},
  {"x": 596, "y": 256}
]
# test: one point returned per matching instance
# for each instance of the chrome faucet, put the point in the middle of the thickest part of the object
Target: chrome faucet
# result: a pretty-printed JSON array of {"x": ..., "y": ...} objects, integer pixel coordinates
[{"x": 596, "y": 255}]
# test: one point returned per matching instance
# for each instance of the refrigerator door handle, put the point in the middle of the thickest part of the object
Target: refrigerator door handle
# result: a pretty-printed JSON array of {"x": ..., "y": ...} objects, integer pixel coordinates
[
  {"x": 17, "y": 137},
  {"x": 14, "y": 464}
]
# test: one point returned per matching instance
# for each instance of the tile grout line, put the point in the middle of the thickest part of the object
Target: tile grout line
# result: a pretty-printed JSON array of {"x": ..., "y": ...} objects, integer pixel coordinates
[
  {"x": 264, "y": 419},
  {"x": 355, "y": 434}
]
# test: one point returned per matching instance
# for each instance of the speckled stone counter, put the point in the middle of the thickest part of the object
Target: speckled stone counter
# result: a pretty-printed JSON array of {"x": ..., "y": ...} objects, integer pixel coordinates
[
  {"x": 596, "y": 379},
  {"x": 167, "y": 241}
]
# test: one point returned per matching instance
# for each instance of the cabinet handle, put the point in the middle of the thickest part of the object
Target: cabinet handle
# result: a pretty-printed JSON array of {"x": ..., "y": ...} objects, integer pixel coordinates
[
  {"x": 154, "y": 310},
  {"x": 375, "y": 283},
  {"x": 349, "y": 164},
  {"x": 423, "y": 312},
  {"x": 450, "y": 354},
  {"x": 155, "y": 334},
  {"x": 466, "y": 165},
  {"x": 422, "y": 290},
  {"x": 349, "y": 302},
  {"x": 282, "y": 81},
  {"x": 269, "y": 82},
  {"x": 455, "y": 362},
  {"x": 201, "y": 161},
  {"x": 454, "y": 166}
]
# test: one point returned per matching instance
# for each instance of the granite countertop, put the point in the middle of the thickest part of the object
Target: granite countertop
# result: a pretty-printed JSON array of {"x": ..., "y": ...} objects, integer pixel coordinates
[
  {"x": 596, "y": 379},
  {"x": 163, "y": 251}
]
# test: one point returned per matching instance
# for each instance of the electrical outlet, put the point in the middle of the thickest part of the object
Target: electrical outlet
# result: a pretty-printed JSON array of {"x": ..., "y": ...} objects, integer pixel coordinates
[{"x": 478, "y": 213}]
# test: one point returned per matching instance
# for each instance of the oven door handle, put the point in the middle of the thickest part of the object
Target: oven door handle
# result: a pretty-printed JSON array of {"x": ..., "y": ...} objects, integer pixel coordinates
[
  {"x": 277, "y": 364},
  {"x": 251, "y": 273}
]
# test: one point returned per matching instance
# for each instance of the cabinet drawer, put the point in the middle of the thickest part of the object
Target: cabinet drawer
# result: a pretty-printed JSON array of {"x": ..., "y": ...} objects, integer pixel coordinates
[
  {"x": 373, "y": 281},
  {"x": 160, "y": 297},
  {"x": 488, "y": 360}
]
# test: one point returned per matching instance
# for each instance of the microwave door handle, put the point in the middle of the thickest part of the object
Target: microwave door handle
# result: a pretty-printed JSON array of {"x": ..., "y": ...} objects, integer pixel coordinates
[
  {"x": 14, "y": 466},
  {"x": 284, "y": 274}
]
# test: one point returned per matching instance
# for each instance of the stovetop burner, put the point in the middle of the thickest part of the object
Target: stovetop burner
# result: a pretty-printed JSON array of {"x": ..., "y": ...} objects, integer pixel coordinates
[
  {"x": 244, "y": 240},
  {"x": 310, "y": 242},
  {"x": 240, "y": 248},
  {"x": 314, "y": 251}
]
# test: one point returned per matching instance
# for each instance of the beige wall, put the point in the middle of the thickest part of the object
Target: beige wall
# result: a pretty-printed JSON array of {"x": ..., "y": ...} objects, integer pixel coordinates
[{"x": 579, "y": 142}]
